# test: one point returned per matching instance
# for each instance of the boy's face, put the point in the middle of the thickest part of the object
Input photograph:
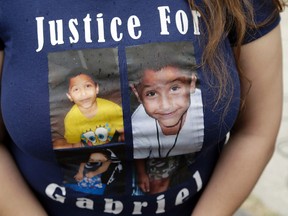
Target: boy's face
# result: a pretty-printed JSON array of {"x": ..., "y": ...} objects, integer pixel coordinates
[
  {"x": 165, "y": 95},
  {"x": 83, "y": 91},
  {"x": 97, "y": 157}
]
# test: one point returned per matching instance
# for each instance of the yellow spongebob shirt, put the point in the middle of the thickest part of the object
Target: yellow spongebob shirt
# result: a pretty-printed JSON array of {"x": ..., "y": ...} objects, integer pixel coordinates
[{"x": 97, "y": 130}]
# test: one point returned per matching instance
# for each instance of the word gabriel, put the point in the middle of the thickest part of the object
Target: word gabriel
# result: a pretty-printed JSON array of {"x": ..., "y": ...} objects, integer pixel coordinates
[
  {"x": 58, "y": 193},
  {"x": 133, "y": 27}
]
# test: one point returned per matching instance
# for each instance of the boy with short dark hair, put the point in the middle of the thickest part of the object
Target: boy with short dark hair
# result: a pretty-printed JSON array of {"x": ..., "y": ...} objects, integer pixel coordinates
[
  {"x": 168, "y": 124},
  {"x": 91, "y": 120}
]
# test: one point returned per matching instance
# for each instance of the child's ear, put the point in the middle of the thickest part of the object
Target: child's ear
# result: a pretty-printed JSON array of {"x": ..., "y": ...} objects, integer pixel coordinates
[
  {"x": 133, "y": 88},
  {"x": 193, "y": 83},
  {"x": 69, "y": 97},
  {"x": 97, "y": 89}
]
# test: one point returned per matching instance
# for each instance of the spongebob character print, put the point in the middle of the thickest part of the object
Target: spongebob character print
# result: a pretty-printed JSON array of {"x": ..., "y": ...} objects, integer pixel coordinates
[
  {"x": 44, "y": 41},
  {"x": 95, "y": 131}
]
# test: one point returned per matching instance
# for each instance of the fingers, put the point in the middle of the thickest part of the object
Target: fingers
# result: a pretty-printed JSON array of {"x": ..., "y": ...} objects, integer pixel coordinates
[{"x": 145, "y": 185}]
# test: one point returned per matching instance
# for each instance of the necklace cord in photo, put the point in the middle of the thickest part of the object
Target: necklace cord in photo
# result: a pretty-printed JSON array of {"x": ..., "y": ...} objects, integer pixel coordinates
[{"x": 175, "y": 141}]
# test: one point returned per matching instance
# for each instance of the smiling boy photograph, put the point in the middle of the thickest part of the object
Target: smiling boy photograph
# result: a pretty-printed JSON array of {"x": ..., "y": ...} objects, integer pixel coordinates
[
  {"x": 85, "y": 111},
  {"x": 100, "y": 118},
  {"x": 170, "y": 102}
]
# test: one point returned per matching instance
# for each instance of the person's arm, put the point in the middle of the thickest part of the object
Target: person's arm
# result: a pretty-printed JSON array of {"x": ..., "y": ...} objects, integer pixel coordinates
[
  {"x": 142, "y": 177},
  {"x": 15, "y": 196},
  {"x": 253, "y": 139},
  {"x": 103, "y": 168},
  {"x": 79, "y": 175},
  {"x": 61, "y": 143}
]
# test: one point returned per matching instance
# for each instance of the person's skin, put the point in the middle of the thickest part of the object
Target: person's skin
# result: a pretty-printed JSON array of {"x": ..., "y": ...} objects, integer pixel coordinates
[
  {"x": 13, "y": 186},
  {"x": 165, "y": 95},
  {"x": 143, "y": 181},
  {"x": 253, "y": 138},
  {"x": 94, "y": 157},
  {"x": 83, "y": 92},
  {"x": 243, "y": 160},
  {"x": 159, "y": 185},
  {"x": 61, "y": 143},
  {"x": 151, "y": 186}
]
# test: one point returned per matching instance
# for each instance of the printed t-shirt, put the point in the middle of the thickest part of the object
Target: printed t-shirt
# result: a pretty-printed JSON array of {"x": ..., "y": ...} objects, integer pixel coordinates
[
  {"x": 157, "y": 145},
  {"x": 97, "y": 130},
  {"x": 45, "y": 40}
]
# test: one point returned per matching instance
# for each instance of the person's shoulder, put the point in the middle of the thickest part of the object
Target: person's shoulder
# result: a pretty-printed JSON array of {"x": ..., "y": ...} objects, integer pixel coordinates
[
  {"x": 107, "y": 104},
  {"x": 140, "y": 117},
  {"x": 266, "y": 17},
  {"x": 71, "y": 113},
  {"x": 196, "y": 105},
  {"x": 105, "y": 101},
  {"x": 196, "y": 94},
  {"x": 197, "y": 91},
  {"x": 139, "y": 112}
]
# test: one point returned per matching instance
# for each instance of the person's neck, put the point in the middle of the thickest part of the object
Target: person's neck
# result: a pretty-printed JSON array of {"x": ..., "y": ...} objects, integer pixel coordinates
[
  {"x": 173, "y": 130},
  {"x": 169, "y": 130},
  {"x": 89, "y": 112}
]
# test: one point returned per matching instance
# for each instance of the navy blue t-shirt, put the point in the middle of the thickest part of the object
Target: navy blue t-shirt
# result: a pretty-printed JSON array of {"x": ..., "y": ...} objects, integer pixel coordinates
[{"x": 142, "y": 56}]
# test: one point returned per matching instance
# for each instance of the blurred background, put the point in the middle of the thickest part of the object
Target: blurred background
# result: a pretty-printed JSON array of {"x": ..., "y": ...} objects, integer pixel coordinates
[{"x": 270, "y": 196}]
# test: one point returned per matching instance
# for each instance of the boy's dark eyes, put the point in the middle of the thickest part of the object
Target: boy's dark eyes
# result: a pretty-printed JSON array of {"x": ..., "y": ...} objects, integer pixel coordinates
[
  {"x": 175, "y": 88},
  {"x": 89, "y": 85},
  {"x": 150, "y": 94}
]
